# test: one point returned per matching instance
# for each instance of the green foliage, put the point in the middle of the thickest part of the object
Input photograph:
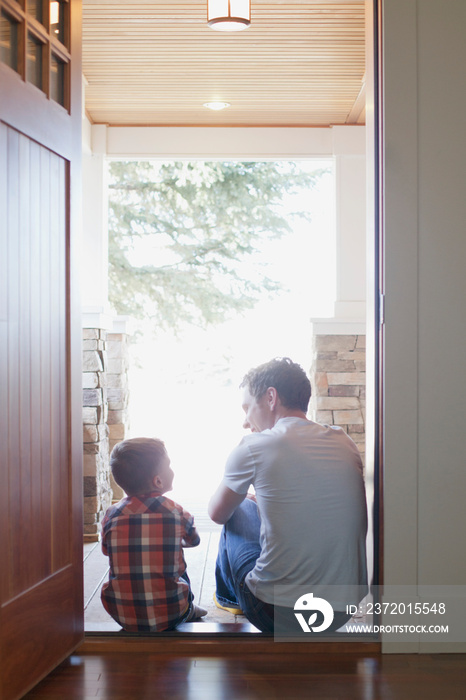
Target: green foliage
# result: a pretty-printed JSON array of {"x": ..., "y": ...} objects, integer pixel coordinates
[{"x": 180, "y": 232}]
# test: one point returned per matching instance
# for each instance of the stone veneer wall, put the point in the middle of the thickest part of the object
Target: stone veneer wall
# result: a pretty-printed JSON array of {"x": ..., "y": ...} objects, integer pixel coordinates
[
  {"x": 338, "y": 377},
  {"x": 97, "y": 489},
  {"x": 105, "y": 419},
  {"x": 117, "y": 395}
]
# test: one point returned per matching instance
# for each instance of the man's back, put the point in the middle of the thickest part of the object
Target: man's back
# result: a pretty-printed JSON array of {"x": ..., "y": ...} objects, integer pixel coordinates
[{"x": 311, "y": 499}]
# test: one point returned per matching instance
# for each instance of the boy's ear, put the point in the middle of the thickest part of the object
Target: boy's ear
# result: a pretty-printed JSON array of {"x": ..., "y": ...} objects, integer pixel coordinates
[{"x": 157, "y": 482}]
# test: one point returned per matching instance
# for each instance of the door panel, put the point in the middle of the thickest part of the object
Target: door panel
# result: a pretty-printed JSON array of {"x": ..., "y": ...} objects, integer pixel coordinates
[
  {"x": 37, "y": 424},
  {"x": 37, "y": 625},
  {"x": 38, "y": 602},
  {"x": 41, "y": 602}
]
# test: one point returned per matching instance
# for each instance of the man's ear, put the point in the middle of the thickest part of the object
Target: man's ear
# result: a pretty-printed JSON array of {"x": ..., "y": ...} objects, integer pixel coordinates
[{"x": 272, "y": 397}]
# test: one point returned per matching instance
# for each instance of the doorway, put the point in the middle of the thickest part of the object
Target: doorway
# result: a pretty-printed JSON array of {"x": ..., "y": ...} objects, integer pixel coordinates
[
  {"x": 198, "y": 390},
  {"x": 15, "y": 103}
]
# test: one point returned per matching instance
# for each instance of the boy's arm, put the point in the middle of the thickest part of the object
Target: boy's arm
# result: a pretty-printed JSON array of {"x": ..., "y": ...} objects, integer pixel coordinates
[
  {"x": 191, "y": 540},
  {"x": 104, "y": 537},
  {"x": 190, "y": 536}
]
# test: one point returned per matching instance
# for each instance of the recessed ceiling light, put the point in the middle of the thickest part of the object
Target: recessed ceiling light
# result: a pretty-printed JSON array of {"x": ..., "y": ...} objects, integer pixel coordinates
[{"x": 216, "y": 106}]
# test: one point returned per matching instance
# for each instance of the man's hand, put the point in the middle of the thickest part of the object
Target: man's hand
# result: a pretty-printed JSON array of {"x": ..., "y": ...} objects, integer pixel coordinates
[{"x": 223, "y": 504}]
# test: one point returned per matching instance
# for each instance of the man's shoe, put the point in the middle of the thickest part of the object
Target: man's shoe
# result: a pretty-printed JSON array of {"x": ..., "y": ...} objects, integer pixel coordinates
[{"x": 233, "y": 611}]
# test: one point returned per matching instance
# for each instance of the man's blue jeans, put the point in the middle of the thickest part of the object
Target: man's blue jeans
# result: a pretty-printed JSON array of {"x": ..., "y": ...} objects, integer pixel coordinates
[{"x": 238, "y": 551}]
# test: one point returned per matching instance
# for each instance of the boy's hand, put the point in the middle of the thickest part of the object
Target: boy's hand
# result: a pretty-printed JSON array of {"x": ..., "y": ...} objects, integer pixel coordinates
[{"x": 193, "y": 541}]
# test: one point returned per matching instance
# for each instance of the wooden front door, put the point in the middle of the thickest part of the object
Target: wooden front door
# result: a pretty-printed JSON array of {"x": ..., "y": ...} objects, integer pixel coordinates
[{"x": 41, "y": 613}]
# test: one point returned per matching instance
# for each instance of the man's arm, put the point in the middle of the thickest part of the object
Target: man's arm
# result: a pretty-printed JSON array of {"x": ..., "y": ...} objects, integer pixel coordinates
[{"x": 223, "y": 504}]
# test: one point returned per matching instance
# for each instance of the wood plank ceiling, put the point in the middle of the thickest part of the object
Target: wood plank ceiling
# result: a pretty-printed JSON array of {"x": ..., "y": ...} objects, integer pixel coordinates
[{"x": 156, "y": 62}]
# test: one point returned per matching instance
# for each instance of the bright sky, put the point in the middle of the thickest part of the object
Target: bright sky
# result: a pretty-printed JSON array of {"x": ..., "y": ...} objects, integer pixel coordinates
[{"x": 185, "y": 390}]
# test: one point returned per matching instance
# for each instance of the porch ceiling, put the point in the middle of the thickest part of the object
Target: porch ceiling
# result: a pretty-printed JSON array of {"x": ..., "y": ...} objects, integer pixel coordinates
[{"x": 156, "y": 62}]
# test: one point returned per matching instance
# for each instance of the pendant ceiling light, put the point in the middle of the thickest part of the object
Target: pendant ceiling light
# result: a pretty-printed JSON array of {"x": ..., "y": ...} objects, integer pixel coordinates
[{"x": 228, "y": 15}]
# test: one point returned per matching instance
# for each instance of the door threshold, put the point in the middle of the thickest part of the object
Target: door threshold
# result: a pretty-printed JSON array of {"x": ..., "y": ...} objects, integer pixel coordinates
[
  {"x": 220, "y": 639},
  {"x": 187, "y": 629}
]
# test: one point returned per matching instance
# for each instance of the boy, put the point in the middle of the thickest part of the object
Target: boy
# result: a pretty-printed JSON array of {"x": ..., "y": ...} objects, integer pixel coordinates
[{"x": 143, "y": 535}]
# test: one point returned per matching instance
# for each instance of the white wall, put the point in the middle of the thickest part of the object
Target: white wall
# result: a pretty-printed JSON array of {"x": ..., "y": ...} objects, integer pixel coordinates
[
  {"x": 230, "y": 142},
  {"x": 425, "y": 285}
]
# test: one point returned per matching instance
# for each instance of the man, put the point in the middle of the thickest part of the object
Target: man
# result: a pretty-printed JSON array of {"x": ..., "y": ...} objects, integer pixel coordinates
[{"x": 309, "y": 525}]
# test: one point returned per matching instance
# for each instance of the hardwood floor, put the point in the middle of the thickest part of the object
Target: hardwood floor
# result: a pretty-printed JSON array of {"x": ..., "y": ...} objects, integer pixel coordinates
[
  {"x": 230, "y": 663},
  {"x": 137, "y": 676},
  {"x": 234, "y": 664}
]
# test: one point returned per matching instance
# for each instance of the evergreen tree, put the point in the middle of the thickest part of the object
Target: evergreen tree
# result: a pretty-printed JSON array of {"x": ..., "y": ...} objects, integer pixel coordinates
[{"x": 194, "y": 223}]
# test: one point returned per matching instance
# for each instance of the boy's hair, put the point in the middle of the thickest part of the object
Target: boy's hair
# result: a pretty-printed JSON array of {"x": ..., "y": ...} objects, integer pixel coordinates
[
  {"x": 287, "y": 377},
  {"x": 135, "y": 462}
]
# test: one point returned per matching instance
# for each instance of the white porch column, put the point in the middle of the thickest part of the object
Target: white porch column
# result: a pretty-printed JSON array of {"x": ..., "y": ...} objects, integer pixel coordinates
[
  {"x": 338, "y": 365},
  {"x": 95, "y": 229},
  {"x": 350, "y": 222},
  {"x": 105, "y": 340},
  {"x": 350, "y": 207}
]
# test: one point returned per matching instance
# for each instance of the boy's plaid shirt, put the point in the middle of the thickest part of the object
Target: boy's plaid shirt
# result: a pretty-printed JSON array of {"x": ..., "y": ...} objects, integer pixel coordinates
[{"x": 142, "y": 537}]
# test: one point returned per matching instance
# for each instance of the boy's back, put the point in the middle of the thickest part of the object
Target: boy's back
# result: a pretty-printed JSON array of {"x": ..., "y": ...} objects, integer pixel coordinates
[{"x": 143, "y": 535}]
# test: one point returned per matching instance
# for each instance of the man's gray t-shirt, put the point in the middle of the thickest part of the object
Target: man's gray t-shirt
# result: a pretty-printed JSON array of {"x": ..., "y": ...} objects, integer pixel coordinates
[{"x": 311, "y": 499}]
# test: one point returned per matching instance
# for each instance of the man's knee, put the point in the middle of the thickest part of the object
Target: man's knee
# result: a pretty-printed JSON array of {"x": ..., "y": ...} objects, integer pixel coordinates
[{"x": 245, "y": 518}]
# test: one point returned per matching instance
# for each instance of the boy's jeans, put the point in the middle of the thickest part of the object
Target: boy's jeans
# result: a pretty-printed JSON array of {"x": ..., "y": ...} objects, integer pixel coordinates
[
  {"x": 186, "y": 613},
  {"x": 238, "y": 551}
]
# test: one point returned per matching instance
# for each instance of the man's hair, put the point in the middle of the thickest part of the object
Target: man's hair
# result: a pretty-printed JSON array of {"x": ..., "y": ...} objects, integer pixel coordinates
[
  {"x": 135, "y": 462},
  {"x": 287, "y": 377}
]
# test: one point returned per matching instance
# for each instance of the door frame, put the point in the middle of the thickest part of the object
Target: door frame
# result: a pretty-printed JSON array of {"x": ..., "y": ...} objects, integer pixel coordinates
[{"x": 375, "y": 329}]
